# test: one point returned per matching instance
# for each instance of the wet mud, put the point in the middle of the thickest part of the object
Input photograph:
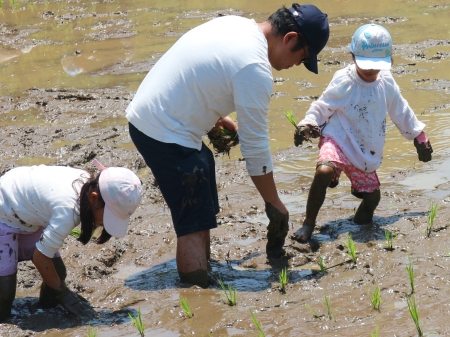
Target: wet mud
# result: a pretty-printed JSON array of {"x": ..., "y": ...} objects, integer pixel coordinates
[{"x": 67, "y": 125}]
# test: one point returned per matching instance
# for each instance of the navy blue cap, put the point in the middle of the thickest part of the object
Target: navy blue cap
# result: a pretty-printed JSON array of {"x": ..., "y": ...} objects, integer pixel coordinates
[{"x": 314, "y": 26}]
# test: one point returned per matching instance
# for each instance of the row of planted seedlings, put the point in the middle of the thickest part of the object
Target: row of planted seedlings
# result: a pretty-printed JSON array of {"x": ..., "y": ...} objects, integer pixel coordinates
[
  {"x": 230, "y": 297},
  {"x": 375, "y": 296}
]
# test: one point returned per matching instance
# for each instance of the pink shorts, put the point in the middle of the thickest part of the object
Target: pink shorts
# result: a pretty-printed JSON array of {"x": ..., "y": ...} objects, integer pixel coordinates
[
  {"x": 16, "y": 245},
  {"x": 362, "y": 182}
]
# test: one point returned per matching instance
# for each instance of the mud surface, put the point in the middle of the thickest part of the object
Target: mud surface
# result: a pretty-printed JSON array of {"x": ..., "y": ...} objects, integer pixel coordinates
[{"x": 67, "y": 125}]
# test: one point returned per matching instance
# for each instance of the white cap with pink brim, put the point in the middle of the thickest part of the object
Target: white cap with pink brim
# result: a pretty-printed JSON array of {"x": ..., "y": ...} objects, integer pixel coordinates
[{"x": 121, "y": 190}]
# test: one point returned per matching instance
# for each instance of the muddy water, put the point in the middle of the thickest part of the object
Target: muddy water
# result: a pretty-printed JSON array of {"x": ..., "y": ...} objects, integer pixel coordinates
[{"x": 104, "y": 49}]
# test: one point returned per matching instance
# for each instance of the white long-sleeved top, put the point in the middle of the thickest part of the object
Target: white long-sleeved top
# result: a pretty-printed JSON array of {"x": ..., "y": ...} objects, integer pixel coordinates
[
  {"x": 353, "y": 113},
  {"x": 214, "y": 69},
  {"x": 42, "y": 196}
]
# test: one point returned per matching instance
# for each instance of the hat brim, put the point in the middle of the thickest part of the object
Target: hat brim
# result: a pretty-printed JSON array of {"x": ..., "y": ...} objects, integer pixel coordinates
[
  {"x": 312, "y": 64},
  {"x": 115, "y": 226},
  {"x": 375, "y": 63}
]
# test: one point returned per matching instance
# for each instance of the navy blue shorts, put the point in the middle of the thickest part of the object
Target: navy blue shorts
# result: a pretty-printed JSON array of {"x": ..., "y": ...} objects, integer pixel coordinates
[{"x": 186, "y": 178}]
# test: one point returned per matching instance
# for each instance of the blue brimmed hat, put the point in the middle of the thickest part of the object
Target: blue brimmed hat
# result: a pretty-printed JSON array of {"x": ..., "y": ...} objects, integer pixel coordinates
[
  {"x": 372, "y": 47},
  {"x": 314, "y": 26}
]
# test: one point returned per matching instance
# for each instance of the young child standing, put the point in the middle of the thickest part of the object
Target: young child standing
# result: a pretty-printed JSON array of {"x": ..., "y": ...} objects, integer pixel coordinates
[
  {"x": 39, "y": 207},
  {"x": 350, "y": 118}
]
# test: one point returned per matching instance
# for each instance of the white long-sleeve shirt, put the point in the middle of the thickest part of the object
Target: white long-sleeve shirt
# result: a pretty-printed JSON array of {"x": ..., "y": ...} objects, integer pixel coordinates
[
  {"x": 353, "y": 113},
  {"x": 214, "y": 69},
  {"x": 42, "y": 196}
]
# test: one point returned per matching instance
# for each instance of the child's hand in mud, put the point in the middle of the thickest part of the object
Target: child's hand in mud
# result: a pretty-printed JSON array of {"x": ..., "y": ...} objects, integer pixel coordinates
[
  {"x": 305, "y": 133},
  {"x": 424, "y": 150},
  {"x": 74, "y": 303}
]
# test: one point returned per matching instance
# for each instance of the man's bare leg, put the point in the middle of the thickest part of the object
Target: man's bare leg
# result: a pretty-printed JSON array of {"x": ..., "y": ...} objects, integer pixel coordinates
[
  {"x": 364, "y": 214},
  {"x": 208, "y": 246},
  {"x": 191, "y": 258},
  {"x": 322, "y": 178}
]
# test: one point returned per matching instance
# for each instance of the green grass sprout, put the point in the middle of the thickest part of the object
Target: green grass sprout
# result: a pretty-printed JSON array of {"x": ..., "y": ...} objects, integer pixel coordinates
[
  {"x": 351, "y": 249},
  {"x": 258, "y": 325},
  {"x": 389, "y": 240},
  {"x": 376, "y": 298},
  {"x": 374, "y": 334},
  {"x": 290, "y": 118},
  {"x": 323, "y": 270},
  {"x": 92, "y": 332},
  {"x": 186, "y": 307},
  {"x": 230, "y": 293},
  {"x": 414, "y": 313},
  {"x": 283, "y": 277},
  {"x": 410, "y": 270},
  {"x": 76, "y": 232},
  {"x": 315, "y": 314},
  {"x": 137, "y": 321},
  {"x": 431, "y": 218},
  {"x": 328, "y": 305}
]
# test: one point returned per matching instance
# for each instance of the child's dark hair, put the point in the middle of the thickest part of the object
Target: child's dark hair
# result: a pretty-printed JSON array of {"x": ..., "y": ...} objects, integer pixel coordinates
[
  {"x": 86, "y": 216},
  {"x": 282, "y": 23}
]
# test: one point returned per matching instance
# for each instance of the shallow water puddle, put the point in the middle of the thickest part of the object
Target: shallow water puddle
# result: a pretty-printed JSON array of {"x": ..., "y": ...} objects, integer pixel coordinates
[
  {"x": 429, "y": 180},
  {"x": 129, "y": 271},
  {"x": 245, "y": 242}
]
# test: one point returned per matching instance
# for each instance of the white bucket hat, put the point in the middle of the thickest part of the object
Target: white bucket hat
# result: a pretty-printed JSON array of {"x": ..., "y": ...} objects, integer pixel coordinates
[
  {"x": 122, "y": 192},
  {"x": 372, "y": 47}
]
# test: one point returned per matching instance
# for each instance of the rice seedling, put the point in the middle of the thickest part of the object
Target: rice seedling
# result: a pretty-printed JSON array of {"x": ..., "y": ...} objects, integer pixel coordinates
[
  {"x": 258, "y": 325},
  {"x": 283, "y": 277},
  {"x": 376, "y": 298},
  {"x": 230, "y": 293},
  {"x": 76, "y": 232},
  {"x": 414, "y": 313},
  {"x": 315, "y": 314},
  {"x": 351, "y": 249},
  {"x": 223, "y": 139},
  {"x": 323, "y": 270},
  {"x": 410, "y": 270},
  {"x": 137, "y": 321},
  {"x": 92, "y": 332},
  {"x": 374, "y": 334},
  {"x": 186, "y": 307},
  {"x": 328, "y": 305},
  {"x": 431, "y": 217},
  {"x": 290, "y": 118},
  {"x": 389, "y": 240}
]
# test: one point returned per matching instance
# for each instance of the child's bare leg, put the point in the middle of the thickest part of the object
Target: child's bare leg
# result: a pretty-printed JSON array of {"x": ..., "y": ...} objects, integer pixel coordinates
[
  {"x": 316, "y": 197},
  {"x": 365, "y": 211}
]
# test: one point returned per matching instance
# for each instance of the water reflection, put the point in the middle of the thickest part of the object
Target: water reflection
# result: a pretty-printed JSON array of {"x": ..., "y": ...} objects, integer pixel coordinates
[
  {"x": 116, "y": 52},
  {"x": 6, "y": 55}
]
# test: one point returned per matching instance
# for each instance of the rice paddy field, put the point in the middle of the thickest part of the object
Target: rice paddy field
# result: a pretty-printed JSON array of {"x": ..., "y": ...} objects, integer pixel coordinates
[{"x": 69, "y": 69}]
